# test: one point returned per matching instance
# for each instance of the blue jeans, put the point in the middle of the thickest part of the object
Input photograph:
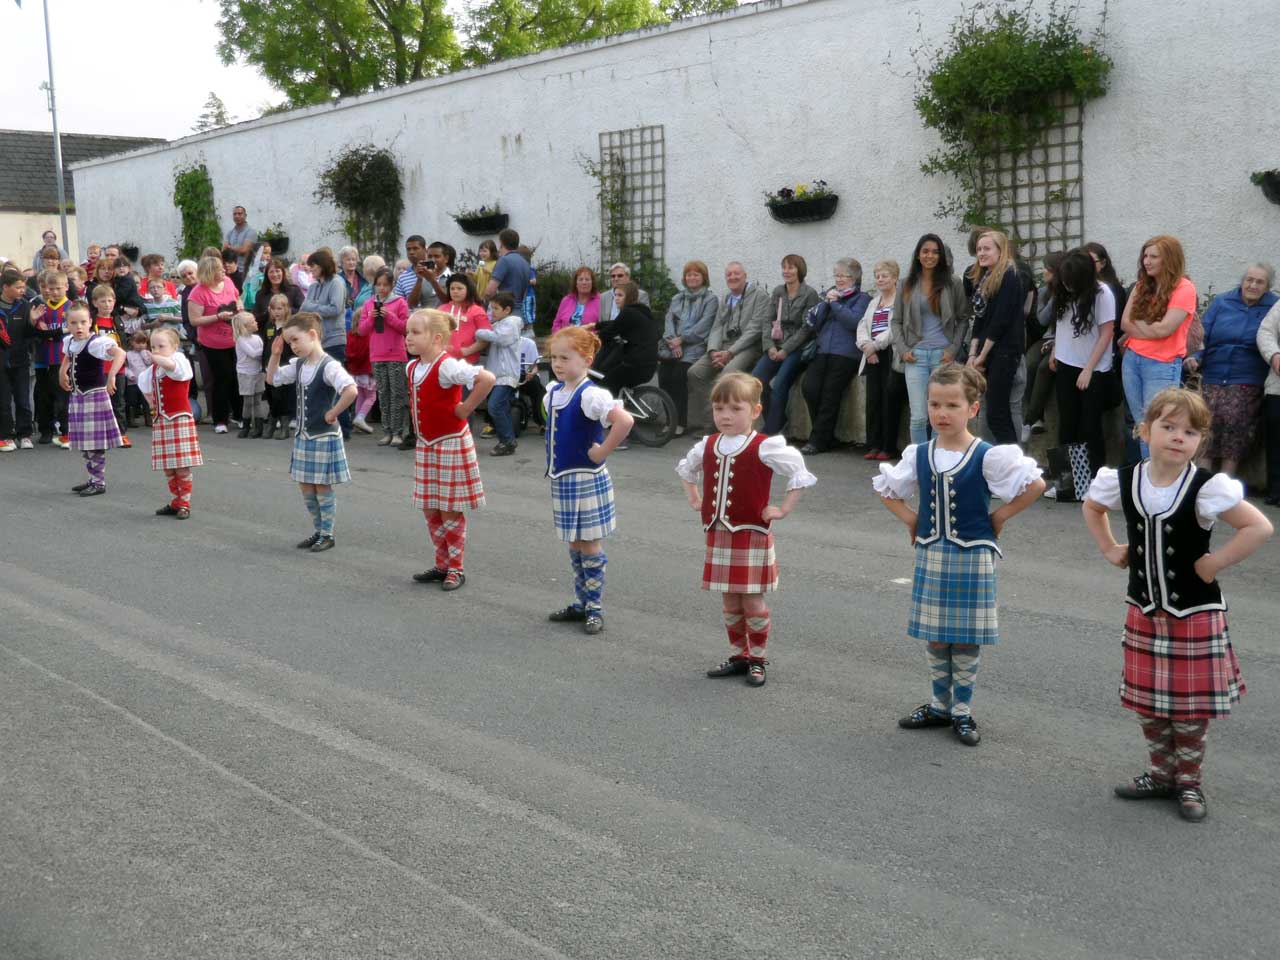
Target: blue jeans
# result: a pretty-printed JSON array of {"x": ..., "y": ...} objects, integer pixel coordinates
[
  {"x": 778, "y": 376},
  {"x": 500, "y": 410},
  {"x": 928, "y": 359},
  {"x": 1143, "y": 378}
]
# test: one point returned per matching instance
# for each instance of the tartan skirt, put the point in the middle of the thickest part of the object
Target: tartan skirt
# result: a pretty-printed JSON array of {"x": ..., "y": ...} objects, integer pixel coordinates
[
  {"x": 1183, "y": 669},
  {"x": 953, "y": 595},
  {"x": 321, "y": 460},
  {"x": 739, "y": 561},
  {"x": 174, "y": 444},
  {"x": 446, "y": 475},
  {"x": 92, "y": 421},
  {"x": 582, "y": 506}
]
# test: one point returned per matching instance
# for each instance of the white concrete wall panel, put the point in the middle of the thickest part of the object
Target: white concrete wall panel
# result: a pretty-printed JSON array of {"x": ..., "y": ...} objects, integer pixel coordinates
[{"x": 774, "y": 93}]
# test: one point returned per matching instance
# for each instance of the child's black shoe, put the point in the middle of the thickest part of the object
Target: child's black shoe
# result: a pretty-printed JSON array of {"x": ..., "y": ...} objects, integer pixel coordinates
[
  {"x": 168, "y": 510},
  {"x": 1192, "y": 805},
  {"x": 733, "y": 667},
  {"x": 966, "y": 730},
  {"x": 310, "y": 542},
  {"x": 593, "y": 623},
  {"x": 93, "y": 490},
  {"x": 570, "y": 614},
  {"x": 1145, "y": 787},
  {"x": 924, "y": 716},
  {"x": 434, "y": 575},
  {"x": 322, "y": 544},
  {"x": 82, "y": 487},
  {"x": 453, "y": 580},
  {"x": 755, "y": 674}
]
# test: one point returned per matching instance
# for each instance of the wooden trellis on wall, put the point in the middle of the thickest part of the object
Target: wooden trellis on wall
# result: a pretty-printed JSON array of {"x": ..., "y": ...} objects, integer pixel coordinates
[{"x": 633, "y": 203}]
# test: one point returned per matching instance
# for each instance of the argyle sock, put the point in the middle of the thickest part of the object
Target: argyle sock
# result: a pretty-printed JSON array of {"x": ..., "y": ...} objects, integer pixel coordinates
[
  {"x": 735, "y": 625},
  {"x": 175, "y": 491},
  {"x": 313, "y": 507},
  {"x": 575, "y": 561},
  {"x": 454, "y": 533},
  {"x": 95, "y": 462},
  {"x": 434, "y": 523},
  {"x": 939, "y": 655},
  {"x": 964, "y": 671},
  {"x": 757, "y": 635},
  {"x": 327, "y": 501},
  {"x": 185, "y": 485},
  {"x": 1188, "y": 750},
  {"x": 1158, "y": 732},
  {"x": 593, "y": 565}
]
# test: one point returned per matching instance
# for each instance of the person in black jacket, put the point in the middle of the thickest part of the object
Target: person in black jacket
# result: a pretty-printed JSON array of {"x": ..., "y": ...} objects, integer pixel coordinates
[
  {"x": 15, "y": 361},
  {"x": 629, "y": 356},
  {"x": 998, "y": 340}
]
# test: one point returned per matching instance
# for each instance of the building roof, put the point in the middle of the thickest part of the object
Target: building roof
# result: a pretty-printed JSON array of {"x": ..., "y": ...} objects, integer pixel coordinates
[{"x": 27, "y": 180}]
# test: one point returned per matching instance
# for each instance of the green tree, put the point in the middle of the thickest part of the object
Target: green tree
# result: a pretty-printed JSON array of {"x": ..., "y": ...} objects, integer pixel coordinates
[
  {"x": 315, "y": 50},
  {"x": 501, "y": 29},
  {"x": 214, "y": 116},
  {"x": 683, "y": 9}
]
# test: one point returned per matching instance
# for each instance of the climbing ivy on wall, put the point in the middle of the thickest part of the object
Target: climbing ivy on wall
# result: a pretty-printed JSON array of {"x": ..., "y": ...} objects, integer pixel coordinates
[
  {"x": 364, "y": 182},
  {"x": 193, "y": 197}
]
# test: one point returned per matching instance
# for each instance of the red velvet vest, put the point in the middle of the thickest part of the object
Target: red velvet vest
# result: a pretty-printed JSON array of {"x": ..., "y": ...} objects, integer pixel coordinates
[
  {"x": 735, "y": 489},
  {"x": 172, "y": 398},
  {"x": 432, "y": 405}
]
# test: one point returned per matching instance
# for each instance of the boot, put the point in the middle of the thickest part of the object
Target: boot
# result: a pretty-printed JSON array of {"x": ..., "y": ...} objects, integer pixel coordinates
[
  {"x": 270, "y": 424},
  {"x": 257, "y": 428},
  {"x": 245, "y": 426}
]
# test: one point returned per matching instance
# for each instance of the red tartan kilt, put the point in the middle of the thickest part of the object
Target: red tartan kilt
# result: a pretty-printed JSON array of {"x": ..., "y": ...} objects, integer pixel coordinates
[
  {"x": 175, "y": 444},
  {"x": 446, "y": 475},
  {"x": 741, "y": 562},
  {"x": 1184, "y": 669}
]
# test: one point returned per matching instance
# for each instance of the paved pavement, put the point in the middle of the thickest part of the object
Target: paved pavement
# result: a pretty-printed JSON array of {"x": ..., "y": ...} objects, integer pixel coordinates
[{"x": 215, "y": 746}]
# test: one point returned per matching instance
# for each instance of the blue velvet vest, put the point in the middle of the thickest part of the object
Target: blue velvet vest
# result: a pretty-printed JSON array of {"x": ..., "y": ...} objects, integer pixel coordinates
[
  {"x": 955, "y": 504},
  {"x": 570, "y": 434},
  {"x": 314, "y": 401}
]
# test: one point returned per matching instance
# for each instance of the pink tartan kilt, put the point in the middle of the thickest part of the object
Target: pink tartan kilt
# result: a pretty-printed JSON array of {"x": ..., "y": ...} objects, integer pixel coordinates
[
  {"x": 446, "y": 475},
  {"x": 175, "y": 444},
  {"x": 741, "y": 562},
  {"x": 1183, "y": 669}
]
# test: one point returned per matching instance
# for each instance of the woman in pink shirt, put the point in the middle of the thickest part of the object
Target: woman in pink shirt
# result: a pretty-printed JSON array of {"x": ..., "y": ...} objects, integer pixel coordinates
[
  {"x": 581, "y": 306},
  {"x": 210, "y": 308},
  {"x": 1155, "y": 324},
  {"x": 471, "y": 317}
]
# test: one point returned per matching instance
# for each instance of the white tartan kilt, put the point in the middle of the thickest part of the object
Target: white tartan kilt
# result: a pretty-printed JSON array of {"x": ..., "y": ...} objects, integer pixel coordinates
[
  {"x": 175, "y": 444},
  {"x": 739, "y": 562}
]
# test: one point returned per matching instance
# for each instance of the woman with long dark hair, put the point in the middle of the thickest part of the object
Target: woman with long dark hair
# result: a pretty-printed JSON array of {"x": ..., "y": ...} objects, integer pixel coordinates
[
  {"x": 1084, "y": 315},
  {"x": 998, "y": 342},
  {"x": 930, "y": 315}
]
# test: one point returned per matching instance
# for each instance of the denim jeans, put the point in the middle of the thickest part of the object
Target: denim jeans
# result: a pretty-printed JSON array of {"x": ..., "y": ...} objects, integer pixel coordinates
[
  {"x": 778, "y": 376},
  {"x": 500, "y": 398},
  {"x": 928, "y": 359},
  {"x": 1143, "y": 378}
]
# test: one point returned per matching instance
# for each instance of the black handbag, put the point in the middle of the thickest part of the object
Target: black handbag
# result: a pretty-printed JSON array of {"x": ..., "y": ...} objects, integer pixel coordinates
[{"x": 1069, "y": 471}]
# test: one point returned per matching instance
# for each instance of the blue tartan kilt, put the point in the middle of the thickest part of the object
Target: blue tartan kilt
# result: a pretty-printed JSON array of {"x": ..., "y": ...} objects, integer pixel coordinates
[
  {"x": 582, "y": 506},
  {"x": 321, "y": 460},
  {"x": 953, "y": 595}
]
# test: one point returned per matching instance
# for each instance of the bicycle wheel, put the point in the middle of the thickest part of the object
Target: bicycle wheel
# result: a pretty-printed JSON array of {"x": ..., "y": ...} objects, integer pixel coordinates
[{"x": 655, "y": 414}]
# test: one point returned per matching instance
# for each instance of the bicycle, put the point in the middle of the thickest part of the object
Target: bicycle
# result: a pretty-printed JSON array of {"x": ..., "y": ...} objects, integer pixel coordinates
[{"x": 652, "y": 409}]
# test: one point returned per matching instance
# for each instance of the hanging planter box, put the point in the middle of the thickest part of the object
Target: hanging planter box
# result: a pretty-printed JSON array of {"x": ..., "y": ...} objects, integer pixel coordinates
[
  {"x": 804, "y": 211},
  {"x": 1269, "y": 182},
  {"x": 279, "y": 243},
  {"x": 482, "y": 226},
  {"x": 129, "y": 250}
]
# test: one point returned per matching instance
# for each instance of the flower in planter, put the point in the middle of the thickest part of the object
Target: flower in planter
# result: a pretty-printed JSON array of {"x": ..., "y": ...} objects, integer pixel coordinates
[
  {"x": 484, "y": 210},
  {"x": 814, "y": 190},
  {"x": 273, "y": 232}
]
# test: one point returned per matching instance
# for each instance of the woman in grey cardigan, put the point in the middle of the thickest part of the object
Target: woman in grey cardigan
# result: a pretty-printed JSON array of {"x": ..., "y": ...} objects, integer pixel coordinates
[
  {"x": 930, "y": 320},
  {"x": 684, "y": 338},
  {"x": 327, "y": 296},
  {"x": 784, "y": 335}
]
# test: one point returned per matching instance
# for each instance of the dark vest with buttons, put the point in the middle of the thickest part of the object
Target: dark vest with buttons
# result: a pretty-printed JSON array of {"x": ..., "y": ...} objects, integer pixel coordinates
[
  {"x": 314, "y": 400},
  {"x": 87, "y": 371},
  {"x": 570, "y": 434},
  {"x": 955, "y": 504},
  {"x": 1164, "y": 547},
  {"x": 735, "y": 487}
]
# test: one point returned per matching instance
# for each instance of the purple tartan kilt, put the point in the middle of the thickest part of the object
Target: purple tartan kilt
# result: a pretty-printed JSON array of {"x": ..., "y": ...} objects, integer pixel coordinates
[{"x": 92, "y": 422}]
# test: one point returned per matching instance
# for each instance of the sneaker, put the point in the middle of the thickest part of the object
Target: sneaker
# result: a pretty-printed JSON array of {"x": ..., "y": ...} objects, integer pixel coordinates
[
  {"x": 453, "y": 580},
  {"x": 360, "y": 424},
  {"x": 871, "y": 454},
  {"x": 593, "y": 623},
  {"x": 1192, "y": 805},
  {"x": 386, "y": 440},
  {"x": 735, "y": 666},
  {"x": 310, "y": 542},
  {"x": 570, "y": 614},
  {"x": 125, "y": 442},
  {"x": 1145, "y": 787},
  {"x": 434, "y": 575},
  {"x": 93, "y": 490},
  {"x": 1038, "y": 427},
  {"x": 1025, "y": 436},
  {"x": 924, "y": 716},
  {"x": 755, "y": 674},
  {"x": 220, "y": 428},
  {"x": 322, "y": 544},
  {"x": 26, "y": 444},
  {"x": 503, "y": 450},
  {"x": 168, "y": 510},
  {"x": 7, "y": 446},
  {"x": 966, "y": 730},
  {"x": 1050, "y": 493},
  {"x": 64, "y": 442},
  {"x": 882, "y": 456}
]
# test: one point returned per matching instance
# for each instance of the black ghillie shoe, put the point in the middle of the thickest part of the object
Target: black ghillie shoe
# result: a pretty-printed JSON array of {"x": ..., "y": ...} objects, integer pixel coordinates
[
  {"x": 434, "y": 575},
  {"x": 570, "y": 614},
  {"x": 924, "y": 716},
  {"x": 310, "y": 542},
  {"x": 733, "y": 667},
  {"x": 1145, "y": 787},
  {"x": 966, "y": 730}
]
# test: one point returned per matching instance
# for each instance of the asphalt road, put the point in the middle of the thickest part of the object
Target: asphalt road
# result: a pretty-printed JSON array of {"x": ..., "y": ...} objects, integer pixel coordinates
[{"x": 216, "y": 746}]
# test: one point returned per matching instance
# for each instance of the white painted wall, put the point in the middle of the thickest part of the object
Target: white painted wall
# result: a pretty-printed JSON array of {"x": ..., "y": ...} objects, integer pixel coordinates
[
  {"x": 778, "y": 92},
  {"x": 20, "y": 235}
]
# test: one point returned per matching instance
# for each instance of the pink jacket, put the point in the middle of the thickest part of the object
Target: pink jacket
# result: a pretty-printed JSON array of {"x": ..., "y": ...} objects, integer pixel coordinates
[
  {"x": 387, "y": 346},
  {"x": 590, "y": 315}
]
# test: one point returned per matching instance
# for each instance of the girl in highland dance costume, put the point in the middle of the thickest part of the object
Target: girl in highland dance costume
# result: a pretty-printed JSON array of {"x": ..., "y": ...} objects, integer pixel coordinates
[
  {"x": 581, "y": 491},
  {"x": 175, "y": 445},
  {"x": 323, "y": 391},
  {"x": 90, "y": 363},
  {"x": 953, "y": 591},
  {"x": 446, "y": 477}
]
